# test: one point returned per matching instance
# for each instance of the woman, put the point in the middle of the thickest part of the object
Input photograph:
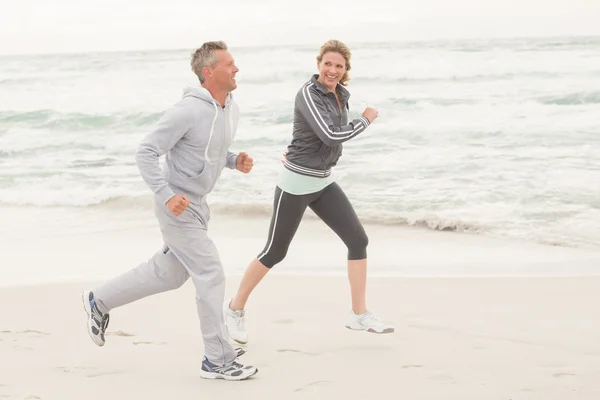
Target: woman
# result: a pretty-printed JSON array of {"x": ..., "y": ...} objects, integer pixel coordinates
[{"x": 319, "y": 129}]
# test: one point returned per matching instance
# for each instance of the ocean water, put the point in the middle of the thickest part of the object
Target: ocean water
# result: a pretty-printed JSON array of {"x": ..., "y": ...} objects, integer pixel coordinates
[{"x": 495, "y": 137}]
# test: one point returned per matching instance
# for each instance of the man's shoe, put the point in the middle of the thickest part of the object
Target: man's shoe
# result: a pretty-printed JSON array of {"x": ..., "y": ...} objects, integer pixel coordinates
[
  {"x": 96, "y": 321},
  {"x": 233, "y": 372}
]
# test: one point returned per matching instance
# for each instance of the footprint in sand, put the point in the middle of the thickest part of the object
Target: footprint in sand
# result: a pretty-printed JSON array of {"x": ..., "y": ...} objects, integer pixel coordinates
[
  {"x": 412, "y": 366},
  {"x": 74, "y": 369},
  {"x": 311, "y": 385},
  {"x": 89, "y": 372},
  {"x": 22, "y": 348},
  {"x": 18, "y": 336},
  {"x": 156, "y": 343},
  {"x": 119, "y": 333},
  {"x": 562, "y": 374},
  {"x": 99, "y": 374},
  {"x": 442, "y": 378},
  {"x": 284, "y": 321},
  {"x": 28, "y": 332},
  {"x": 35, "y": 332},
  {"x": 297, "y": 351}
]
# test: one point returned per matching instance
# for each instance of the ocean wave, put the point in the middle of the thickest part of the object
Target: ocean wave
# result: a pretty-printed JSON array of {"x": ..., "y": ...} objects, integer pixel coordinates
[
  {"x": 102, "y": 162},
  {"x": 432, "y": 222},
  {"x": 49, "y": 119},
  {"x": 20, "y": 80},
  {"x": 264, "y": 210},
  {"x": 365, "y": 81},
  {"x": 141, "y": 204},
  {"x": 434, "y": 101},
  {"x": 572, "y": 99},
  {"x": 40, "y": 148},
  {"x": 482, "y": 45},
  {"x": 145, "y": 202}
]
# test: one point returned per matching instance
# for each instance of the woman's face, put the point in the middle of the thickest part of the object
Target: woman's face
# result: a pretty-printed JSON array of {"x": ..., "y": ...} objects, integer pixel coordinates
[{"x": 331, "y": 69}]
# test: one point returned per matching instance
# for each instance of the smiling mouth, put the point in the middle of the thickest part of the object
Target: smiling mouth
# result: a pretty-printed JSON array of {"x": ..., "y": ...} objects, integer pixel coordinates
[{"x": 331, "y": 76}]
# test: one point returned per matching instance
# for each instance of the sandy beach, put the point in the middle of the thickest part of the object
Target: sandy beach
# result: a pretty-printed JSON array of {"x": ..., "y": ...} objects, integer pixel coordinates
[
  {"x": 476, "y": 318},
  {"x": 477, "y": 338}
]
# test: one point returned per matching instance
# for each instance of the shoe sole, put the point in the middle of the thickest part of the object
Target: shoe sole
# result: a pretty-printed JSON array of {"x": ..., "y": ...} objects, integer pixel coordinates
[
  {"x": 88, "y": 311},
  {"x": 214, "y": 375},
  {"x": 387, "y": 330}
]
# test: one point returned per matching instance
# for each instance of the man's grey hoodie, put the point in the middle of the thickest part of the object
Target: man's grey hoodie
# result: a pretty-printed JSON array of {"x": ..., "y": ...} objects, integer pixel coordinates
[{"x": 195, "y": 134}]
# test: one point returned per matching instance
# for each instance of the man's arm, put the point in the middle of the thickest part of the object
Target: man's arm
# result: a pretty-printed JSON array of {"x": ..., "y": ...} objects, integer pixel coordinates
[
  {"x": 231, "y": 160},
  {"x": 172, "y": 126}
]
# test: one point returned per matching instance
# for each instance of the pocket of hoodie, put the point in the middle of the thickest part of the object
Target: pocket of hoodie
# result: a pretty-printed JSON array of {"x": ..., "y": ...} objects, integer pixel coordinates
[
  {"x": 182, "y": 179},
  {"x": 200, "y": 176}
]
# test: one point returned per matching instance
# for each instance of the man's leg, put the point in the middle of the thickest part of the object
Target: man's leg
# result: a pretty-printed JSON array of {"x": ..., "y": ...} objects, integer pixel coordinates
[
  {"x": 199, "y": 255},
  {"x": 160, "y": 273}
]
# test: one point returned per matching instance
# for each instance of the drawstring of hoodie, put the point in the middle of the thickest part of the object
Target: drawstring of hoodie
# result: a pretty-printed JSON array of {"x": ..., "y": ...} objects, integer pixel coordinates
[
  {"x": 231, "y": 125},
  {"x": 212, "y": 128}
]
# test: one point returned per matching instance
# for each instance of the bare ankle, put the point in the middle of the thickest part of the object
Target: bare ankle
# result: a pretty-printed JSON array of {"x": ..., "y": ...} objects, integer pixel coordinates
[{"x": 234, "y": 305}]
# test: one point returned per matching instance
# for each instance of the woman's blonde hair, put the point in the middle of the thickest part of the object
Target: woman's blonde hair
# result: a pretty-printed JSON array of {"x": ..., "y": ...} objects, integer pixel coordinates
[{"x": 337, "y": 47}]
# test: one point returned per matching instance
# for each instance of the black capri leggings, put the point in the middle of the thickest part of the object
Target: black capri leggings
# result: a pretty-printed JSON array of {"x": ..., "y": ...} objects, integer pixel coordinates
[{"x": 330, "y": 204}]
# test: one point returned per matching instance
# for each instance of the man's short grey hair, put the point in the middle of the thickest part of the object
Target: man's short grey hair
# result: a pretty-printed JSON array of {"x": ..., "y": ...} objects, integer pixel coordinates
[{"x": 205, "y": 57}]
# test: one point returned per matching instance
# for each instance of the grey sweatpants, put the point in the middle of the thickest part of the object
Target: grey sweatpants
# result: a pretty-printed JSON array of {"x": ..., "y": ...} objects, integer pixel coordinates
[{"x": 187, "y": 252}]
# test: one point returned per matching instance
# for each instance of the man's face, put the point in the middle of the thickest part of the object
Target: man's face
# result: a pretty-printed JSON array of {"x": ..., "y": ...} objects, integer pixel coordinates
[{"x": 223, "y": 73}]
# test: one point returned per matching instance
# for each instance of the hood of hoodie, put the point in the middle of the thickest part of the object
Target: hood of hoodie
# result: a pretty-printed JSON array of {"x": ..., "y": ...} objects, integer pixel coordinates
[{"x": 203, "y": 94}]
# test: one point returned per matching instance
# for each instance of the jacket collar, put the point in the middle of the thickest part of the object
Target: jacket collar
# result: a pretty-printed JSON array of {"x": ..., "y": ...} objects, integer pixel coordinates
[{"x": 342, "y": 91}]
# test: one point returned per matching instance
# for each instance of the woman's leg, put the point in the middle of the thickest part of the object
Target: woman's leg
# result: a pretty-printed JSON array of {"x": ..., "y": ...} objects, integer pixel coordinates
[
  {"x": 288, "y": 211},
  {"x": 334, "y": 208}
]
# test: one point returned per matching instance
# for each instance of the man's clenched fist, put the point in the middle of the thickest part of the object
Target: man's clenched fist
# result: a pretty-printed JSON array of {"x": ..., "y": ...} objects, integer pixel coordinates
[
  {"x": 244, "y": 162},
  {"x": 177, "y": 204}
]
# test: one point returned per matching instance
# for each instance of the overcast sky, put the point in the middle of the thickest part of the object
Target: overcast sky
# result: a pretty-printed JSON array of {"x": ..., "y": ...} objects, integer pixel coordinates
[{"x": 44, "y": 26}]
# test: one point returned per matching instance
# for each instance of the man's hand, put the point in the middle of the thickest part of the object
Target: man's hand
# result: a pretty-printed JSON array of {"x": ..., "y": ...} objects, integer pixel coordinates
[
  {"x": 244, "y": 162},
  {"x": 177, "y": 204}
]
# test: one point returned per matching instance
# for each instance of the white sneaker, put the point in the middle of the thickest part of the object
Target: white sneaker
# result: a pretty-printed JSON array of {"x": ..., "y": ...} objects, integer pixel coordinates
[
  {"x": 234, "y": 322},
  {"x": 367, "y": 322}
]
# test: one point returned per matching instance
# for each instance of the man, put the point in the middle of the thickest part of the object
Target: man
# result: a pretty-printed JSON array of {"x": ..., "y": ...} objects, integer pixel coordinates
[{"x": 195, "y": 134}]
